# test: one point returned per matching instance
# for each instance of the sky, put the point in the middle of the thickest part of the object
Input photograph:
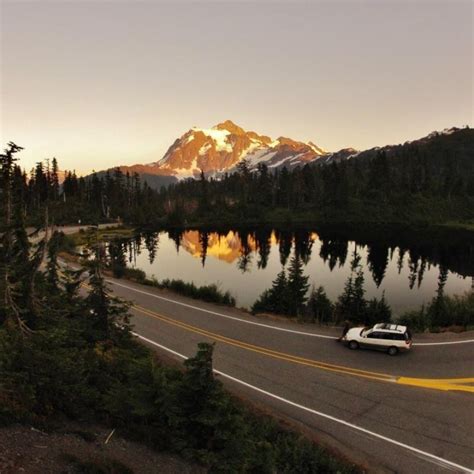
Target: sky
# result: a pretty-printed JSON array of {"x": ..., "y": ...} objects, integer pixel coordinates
[{"x": 102, "y": 83}]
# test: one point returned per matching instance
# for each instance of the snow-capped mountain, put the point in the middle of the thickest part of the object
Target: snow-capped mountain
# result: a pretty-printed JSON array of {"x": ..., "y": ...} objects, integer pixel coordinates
[{"x": 219, "y": 149}]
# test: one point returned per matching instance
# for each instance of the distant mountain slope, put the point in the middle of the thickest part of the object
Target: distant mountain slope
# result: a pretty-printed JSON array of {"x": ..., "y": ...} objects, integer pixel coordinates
[
  {"x": 458, "y": 141},
  {"x": 220, "y": 148}
]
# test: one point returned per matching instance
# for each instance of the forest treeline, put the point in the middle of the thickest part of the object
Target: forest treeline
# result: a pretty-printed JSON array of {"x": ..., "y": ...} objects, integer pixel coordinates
[
  {"x": 289, "y": 295},
  {"x": 428, "y": 182},
  {"x": 431, "y": 181},
  {"x": 68, "y": 354}
]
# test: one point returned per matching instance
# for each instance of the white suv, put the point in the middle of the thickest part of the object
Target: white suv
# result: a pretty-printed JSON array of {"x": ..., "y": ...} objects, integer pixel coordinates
[{"x": 390, "y": 338}]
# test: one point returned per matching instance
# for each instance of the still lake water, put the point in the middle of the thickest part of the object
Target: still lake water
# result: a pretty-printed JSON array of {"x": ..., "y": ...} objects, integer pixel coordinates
[{"x": 246, "y": 262}]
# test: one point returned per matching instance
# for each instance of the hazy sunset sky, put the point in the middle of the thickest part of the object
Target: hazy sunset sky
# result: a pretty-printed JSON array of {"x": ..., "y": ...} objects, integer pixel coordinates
[{"x": 102, "y": 83}]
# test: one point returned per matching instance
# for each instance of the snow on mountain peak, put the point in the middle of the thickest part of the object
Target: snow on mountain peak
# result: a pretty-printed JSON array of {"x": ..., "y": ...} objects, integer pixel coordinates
[
  {"x": 219, "y": 148},
  {"x": 219, "y": 136},
  {"x": 317, "y": 149}
]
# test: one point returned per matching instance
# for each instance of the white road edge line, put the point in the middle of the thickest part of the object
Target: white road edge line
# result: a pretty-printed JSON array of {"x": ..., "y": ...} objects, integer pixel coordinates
[
  {"x": 301, "y": 333},
  {"x": 427, "y": 456},
  {"x": 220, "y": 314}
]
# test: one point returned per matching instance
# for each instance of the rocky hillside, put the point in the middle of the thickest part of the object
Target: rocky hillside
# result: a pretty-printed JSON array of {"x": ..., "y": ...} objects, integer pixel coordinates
[{"x": 218, "y": 149}]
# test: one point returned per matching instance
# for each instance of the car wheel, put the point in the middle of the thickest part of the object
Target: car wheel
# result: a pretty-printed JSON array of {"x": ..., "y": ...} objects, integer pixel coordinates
[
  {"x": 353, "y": 345},
  {"x": 392, "y": 351}
]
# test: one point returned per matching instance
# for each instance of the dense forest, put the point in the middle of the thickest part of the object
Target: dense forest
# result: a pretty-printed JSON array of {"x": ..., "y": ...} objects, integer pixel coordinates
[
  {"x": 70, "y": 353},
  {"x": 429, "y": 181},
  {"x": 67, "y": 353}
]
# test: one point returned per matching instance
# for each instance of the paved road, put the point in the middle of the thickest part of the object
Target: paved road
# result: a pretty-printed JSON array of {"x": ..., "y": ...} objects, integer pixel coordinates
[
  {"x": 410, "y": 413},
  {"x": 68, "y": 229}
]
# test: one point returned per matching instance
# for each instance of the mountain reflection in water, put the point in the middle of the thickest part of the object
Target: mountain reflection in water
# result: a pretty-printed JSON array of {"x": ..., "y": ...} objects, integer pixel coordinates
[{"x": 245, "y": 261}]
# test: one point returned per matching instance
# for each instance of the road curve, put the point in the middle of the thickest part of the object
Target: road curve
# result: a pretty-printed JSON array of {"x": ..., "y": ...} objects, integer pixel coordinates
[{"x": 410, "y": 413}]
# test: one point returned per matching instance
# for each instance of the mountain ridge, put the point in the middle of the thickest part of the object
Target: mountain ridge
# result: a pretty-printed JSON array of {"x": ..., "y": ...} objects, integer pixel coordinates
[{"x": 218, "y": 150}]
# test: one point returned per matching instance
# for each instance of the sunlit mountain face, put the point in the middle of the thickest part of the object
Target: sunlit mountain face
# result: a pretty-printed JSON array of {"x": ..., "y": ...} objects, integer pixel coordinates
[
  {"x": 223, "y": 247},
  {"x": 219, "y": 149},
  {"x": 228, "y": 247}
]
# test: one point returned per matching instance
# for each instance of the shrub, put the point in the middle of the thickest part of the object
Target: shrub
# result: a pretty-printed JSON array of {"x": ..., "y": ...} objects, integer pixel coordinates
[
  {"x": 134, "y": 274},
  {"x": 60, "y": 370},
  {"x": 210, "y": 293},
  {"x": 442, "y": 312}
]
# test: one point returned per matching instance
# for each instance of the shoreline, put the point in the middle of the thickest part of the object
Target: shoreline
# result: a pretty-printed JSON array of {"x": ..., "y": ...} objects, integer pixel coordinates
[{"x": 330, "y": 330}]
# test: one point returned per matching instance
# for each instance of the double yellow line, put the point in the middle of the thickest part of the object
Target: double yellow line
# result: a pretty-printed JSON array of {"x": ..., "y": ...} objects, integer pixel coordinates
[
  {"x": 465, "y": 384},
  {"x": 266, "y": 351},
  {"x": 460, "y": 384}
]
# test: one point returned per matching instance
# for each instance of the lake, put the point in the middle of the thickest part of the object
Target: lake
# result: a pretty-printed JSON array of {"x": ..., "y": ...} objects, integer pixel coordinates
[{"x": 407, "y": 266}]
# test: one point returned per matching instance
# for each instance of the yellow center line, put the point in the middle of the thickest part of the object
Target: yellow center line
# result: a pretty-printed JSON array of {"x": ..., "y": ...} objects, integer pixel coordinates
[
  {"x": 268, "y": 352},
  {"x": 437, "y": 384}
]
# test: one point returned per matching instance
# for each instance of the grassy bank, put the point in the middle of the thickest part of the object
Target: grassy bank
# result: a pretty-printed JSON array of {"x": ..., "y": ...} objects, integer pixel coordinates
[
  {"x": 85, "y": 236},
  {"x": 209, "y": 293}
]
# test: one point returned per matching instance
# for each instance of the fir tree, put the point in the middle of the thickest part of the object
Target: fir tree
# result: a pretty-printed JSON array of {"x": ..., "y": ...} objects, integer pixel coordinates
[
  {"x": 297, "y": 287},
  {"x": 52, "y": 265},
  {"x": 352, "y": 304},
  {"x": 320, "y": 306},
  {"x": 378, "y": 311},
  {"x": 109, "y": 314},
  {"x": 118, "y": 262},
  {"x": 14, "y": 258},
  {"x": 274, "y": 300},
  {"x": 204, "y": 418}
]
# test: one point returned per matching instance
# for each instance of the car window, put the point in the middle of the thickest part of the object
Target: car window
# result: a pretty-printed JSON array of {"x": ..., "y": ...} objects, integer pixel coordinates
[{"x": 375, "y": 335}]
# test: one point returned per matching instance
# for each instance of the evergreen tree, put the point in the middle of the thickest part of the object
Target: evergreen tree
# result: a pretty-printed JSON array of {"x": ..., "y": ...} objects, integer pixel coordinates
[
  {"x": 14, "y": 256},
  {"x": 52, "y": 266},
  {"x": 203, "y": 416},
  {"x": 108, "y": 314},
  {"x": 204, "y": 196},
  {"x": 54, "y": 180},
  {"x": 437, "y": 310},
  {"x": 378, "y": 311},
  {"x": 320, "y": 306},
  {"x": 352, "y": 305},
  {"x": 274, "y": 300},
  {"x": 118, "y": 261},
  {"x": 297, "y": 287}
]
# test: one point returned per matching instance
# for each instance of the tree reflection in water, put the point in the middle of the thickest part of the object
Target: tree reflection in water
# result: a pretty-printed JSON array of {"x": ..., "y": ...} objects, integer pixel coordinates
[{"x": 250, "y": 250}]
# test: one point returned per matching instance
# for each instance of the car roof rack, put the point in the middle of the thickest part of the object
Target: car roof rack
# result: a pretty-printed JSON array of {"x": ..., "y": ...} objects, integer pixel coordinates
[{"x": 390, "y": 327}]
